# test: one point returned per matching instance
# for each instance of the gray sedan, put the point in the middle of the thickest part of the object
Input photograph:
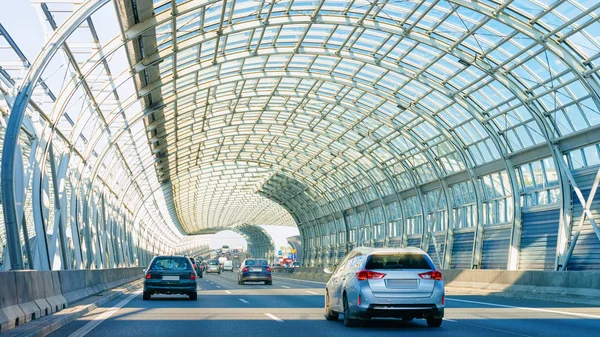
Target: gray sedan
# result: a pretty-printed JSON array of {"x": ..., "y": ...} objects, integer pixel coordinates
[
  {"x": 213, "y": 266},
  {"x": 382, "y": 282}
]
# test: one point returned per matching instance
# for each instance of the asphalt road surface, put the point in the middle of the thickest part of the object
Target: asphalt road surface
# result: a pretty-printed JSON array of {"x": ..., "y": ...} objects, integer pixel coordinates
[{"x": 294, "y": 308}]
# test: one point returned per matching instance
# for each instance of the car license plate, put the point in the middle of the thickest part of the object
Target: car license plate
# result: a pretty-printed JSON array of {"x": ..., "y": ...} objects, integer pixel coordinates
[
  {"x": 256, "y": 270},
  {"x": 402, "y": 283},
  {"x": 170, "y": 278}
]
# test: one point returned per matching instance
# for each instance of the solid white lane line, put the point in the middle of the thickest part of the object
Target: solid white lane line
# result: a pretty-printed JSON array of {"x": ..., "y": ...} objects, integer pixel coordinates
[
  {"x": 285, "y": 287},
  {"x": 243, "y": 300},
  {"x": 527, "y": 308},
  {"x": 312, "y": 292},
  {"x": 275, "y": 318},
  {"x": 84, "y": 330},
  {"x": 227, "y": 291}
]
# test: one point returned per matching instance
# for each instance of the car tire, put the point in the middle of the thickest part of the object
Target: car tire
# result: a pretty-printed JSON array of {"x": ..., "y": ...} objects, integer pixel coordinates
[
  {"x": 329, "y": 314},
  {"x": 193, "y": 296},
  {"x": 201, "y": 275},
  {"x": 348, "y": 321},
  {"x": 434, "y": 322},
  {"x": 269, "y": 283},
  {"x": 146, "y": 296}
]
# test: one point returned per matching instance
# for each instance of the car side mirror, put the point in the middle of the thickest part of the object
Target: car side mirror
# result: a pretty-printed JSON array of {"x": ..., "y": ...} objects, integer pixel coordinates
[{"x": 328, "y": 270}]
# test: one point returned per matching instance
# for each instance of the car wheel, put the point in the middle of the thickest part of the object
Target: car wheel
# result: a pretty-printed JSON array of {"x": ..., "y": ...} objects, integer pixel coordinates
[
  {"x": 193, "y": 296},
  {"x": 329, "y": 314},
  {"x": 348, "y": 322},
  {"x": 269, "y": 283},
  {"x": 434, "y": 322},
  {"x": 201, "y": 275},
  {"x": 146, "y": 296}
]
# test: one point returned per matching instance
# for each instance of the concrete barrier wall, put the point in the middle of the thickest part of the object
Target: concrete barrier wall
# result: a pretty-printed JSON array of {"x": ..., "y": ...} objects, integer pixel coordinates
[
  {"x": 574, "y": 283},
  {"x": 78, "y": 284},
  {"x": 29, "y": 294}
]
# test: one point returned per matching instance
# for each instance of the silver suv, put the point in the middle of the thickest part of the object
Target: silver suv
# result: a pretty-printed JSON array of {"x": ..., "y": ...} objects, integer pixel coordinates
[{"x": 385, "y": 282}]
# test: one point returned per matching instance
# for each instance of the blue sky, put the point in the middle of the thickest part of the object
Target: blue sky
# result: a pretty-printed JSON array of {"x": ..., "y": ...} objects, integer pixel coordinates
[{"x": 22, "y": 23}]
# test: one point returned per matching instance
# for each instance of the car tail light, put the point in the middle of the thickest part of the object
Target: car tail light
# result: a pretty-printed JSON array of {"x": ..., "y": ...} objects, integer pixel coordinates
[
  {"x": 193, "y": 276},
  {"x": 368, "y": 275},
  {"x": 432, "y": 275},
  {"x": 245, "y": 269},
  {"x": 148, "y": 276},
  {"x": 269, "y": 269},
  {"x": 359, "y": 300}
]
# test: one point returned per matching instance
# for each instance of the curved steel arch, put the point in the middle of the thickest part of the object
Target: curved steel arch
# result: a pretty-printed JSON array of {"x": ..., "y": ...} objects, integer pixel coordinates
[
  {"x": 260, "y": 243},
  {"x": 415, "y": 51}
]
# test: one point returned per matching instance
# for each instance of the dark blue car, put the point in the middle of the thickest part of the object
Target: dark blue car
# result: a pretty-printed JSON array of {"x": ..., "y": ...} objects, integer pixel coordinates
[
  {"x": 170, "y": 275},
  {"x": 255, "y": 270}
]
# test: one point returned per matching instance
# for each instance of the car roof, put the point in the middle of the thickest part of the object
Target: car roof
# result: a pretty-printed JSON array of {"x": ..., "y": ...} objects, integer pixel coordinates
[
  {"x": 170, "y": 256},
  {"x": 370, "y": 250}
]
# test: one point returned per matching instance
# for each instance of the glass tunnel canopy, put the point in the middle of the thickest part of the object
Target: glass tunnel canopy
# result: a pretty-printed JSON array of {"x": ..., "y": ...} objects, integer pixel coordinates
[{"x": 359, "y": 121}]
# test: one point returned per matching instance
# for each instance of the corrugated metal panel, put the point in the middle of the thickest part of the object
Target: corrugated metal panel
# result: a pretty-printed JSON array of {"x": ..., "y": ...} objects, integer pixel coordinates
[
  {"x": 538, "y": 239},
  {"x": 496, "y": 242},
  {"x": 462, "y": 249},
  {"x": 586, "y": 255},
  {"x": 396, "y": 242},
  {"x": 323, "y": 254},
  {"x": 414, "y": 241},
  {"x": 441, "y": 241}
]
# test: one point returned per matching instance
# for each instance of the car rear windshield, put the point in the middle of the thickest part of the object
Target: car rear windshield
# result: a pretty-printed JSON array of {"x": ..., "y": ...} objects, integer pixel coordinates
[
  {"x": 171, "y": 263},
  {"x": 213, "y": 262},
  {"x": 256, "y": 262},
  {"x": 398, "y": 261}
]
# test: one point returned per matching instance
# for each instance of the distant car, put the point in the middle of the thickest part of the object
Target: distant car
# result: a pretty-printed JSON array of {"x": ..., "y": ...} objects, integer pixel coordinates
[
  {"x": 194, "y": 264},
  {"x": 200, "y": 269},
  {"x": 255, "y": 270},
  {"x": 228, "y": 265},
  {"x": 381, "y": 282},
  {"x": 170, "y": 275},
  {"x": 213, "y": 266}
]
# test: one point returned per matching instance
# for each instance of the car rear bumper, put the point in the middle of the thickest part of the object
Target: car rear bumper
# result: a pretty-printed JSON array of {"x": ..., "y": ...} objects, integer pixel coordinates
[
  {"x": 263, "y": 277},
  {"x": 400, "y": 311},
  {"x": 158, "y": 288}
]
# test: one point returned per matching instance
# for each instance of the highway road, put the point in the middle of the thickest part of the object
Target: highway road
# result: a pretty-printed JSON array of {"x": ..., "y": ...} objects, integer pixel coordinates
[{"x": 294, "y": 308}]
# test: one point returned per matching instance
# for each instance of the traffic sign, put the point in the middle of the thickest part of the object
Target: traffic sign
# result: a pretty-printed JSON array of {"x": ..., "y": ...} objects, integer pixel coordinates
[{"x": 279, "y": 253}]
